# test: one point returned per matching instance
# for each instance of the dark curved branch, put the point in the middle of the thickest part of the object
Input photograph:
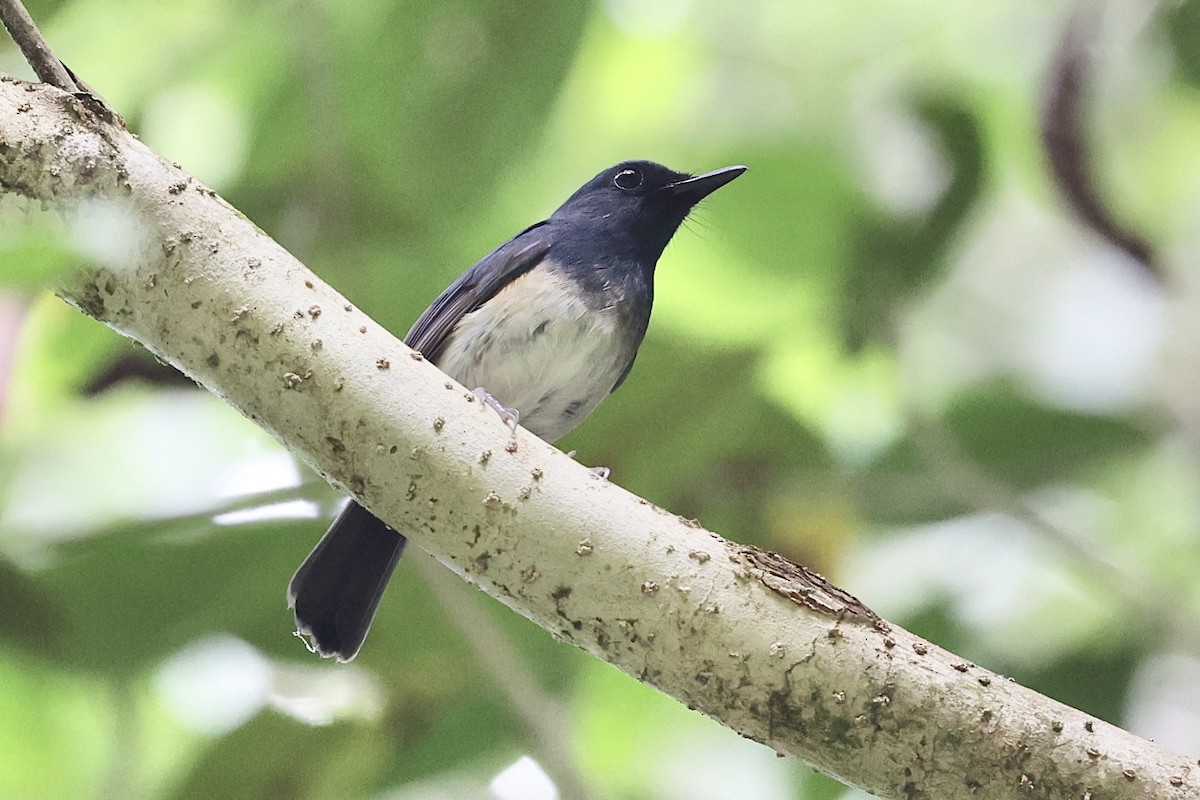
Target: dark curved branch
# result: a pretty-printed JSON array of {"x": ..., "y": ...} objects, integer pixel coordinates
[
  {"x": 1067, "y": 151},
  {"x": 25, "y": 33}
]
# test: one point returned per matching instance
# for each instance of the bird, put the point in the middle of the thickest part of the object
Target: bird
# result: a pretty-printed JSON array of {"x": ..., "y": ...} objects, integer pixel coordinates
[{"x": 545, "y": 326}]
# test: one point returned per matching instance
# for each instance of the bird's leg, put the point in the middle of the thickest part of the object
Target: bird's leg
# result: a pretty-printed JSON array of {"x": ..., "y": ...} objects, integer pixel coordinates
[
  {"x": 510, "y": 416},
  {"x": 600, "y": 472}
]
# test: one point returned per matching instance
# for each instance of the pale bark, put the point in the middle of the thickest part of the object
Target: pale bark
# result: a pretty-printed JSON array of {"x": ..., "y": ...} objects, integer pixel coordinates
[{"x": 766, "y": 648}]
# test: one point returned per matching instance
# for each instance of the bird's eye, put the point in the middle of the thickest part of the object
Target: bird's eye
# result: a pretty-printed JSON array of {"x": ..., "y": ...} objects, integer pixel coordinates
[{"x": 628, "y": 179}]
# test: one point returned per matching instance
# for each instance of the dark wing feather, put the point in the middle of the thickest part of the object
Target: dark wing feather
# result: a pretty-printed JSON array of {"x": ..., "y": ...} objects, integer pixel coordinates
[
  {"x": 476, "y": 286},
  {"x": 625, "y": 374}
]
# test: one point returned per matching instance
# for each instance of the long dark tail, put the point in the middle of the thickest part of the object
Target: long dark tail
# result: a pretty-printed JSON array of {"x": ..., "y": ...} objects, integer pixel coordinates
[{"x": 337, "y": 588}]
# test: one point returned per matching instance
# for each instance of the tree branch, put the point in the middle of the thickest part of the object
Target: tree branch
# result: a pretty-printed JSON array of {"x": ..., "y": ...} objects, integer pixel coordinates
[
  {"x": 1062, "y": 123},
  {"x": 767, "y": 648},
  {"x": 25, "y": 33}
]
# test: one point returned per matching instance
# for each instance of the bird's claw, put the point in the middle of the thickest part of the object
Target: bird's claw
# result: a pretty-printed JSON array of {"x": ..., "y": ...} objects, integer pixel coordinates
[
  {"x": 510, "y": 416},
  {"x": 600, "y": 472}
]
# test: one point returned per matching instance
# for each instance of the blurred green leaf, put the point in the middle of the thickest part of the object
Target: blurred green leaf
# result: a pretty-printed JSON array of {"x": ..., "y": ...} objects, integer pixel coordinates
[
  {"x": 303, "y": 762},
  {"x": 1093, "y": 679},
  {"x": 32, "y": 260},
  {"x": 896, "y": 256},
  {"x": 439, "y": 99},
  {"x": 1005, "y": 435},
  {"x": 1025, "y": 443},
  {"x": 54, "y": 730},
  {"x": 41, "y": 626},
  {"x": 731, "y": 452},
  {"x": 134, "y": 597},
  {"x": 1181, "y": 22},
  {"x": 60, "y": 351},
  {"x": 898, "y": 489}
]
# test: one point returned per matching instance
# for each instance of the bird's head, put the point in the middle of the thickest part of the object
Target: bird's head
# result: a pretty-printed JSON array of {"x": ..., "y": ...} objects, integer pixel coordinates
[{"x": 637, "y": 206}]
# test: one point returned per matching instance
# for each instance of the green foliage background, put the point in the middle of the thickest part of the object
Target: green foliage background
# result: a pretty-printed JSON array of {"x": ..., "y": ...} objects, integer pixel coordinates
[{"x": 887, "y": 352}]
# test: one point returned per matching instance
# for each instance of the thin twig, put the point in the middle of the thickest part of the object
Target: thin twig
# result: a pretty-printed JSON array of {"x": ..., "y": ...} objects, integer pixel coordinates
[
  {"x": 122, "y": 776},
  {"x": 33, "y": 45},
  {"x": 542, "y": 715}
]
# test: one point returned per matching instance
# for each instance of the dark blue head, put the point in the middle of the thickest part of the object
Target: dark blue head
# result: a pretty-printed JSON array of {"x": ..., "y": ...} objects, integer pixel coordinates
[{"x": 634, "y": 208}]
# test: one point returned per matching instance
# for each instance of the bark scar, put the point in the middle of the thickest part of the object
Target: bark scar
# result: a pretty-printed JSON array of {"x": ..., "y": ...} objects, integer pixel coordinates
[{"x": 805, "y": 587}]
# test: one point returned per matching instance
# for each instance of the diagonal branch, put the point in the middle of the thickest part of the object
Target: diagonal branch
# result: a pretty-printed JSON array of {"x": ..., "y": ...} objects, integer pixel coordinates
[
  {"x": 33, "y": 46},
  {"x": 968, "y": 483},
  {"x": 765, "y": 647}
]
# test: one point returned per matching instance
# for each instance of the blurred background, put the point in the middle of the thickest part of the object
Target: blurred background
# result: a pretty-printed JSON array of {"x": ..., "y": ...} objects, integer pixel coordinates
[{"x": 891, "y": 352}]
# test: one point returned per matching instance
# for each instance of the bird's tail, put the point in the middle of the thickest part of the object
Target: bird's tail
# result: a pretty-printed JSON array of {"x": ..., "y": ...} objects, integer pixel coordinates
[{"x": 336, "y": 590}]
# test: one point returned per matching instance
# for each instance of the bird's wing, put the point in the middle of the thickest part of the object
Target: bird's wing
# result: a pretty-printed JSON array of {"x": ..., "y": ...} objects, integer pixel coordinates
[
  {"x": 476, "y": 286},
  {"x": 625, "y": 374}
]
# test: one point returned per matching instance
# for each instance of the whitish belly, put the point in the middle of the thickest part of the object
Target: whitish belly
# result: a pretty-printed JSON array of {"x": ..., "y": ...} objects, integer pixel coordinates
[{"x": 537, "y": 347}]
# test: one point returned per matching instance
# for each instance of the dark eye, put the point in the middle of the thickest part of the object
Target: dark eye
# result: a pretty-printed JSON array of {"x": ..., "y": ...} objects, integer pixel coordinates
[{"x": 628, "y": 179}]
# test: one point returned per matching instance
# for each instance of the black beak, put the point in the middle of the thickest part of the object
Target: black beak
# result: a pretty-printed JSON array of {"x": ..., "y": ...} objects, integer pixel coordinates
[{"x": 697, "y": 188}]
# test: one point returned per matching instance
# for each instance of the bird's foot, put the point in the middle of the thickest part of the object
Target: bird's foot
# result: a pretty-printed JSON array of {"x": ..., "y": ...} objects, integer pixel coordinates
[
  {"x": 600, "y": 472},
  {"x": 510, "y": 416}
]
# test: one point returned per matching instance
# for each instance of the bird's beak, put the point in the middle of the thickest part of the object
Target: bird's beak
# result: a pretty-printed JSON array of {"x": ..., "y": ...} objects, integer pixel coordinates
[{"x": 701, "y": 186}]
